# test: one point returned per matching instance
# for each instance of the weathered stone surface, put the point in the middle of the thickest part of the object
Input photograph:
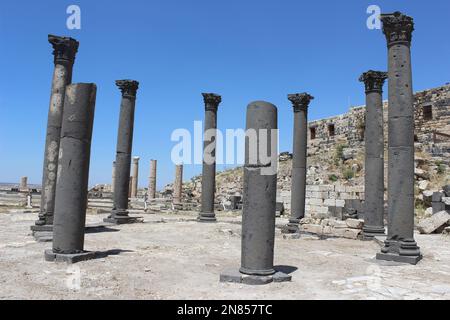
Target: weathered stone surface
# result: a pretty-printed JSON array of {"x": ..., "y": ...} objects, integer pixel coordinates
[
  {"x": 355, "y": 223},
  {"x": 436, "y": 222}
]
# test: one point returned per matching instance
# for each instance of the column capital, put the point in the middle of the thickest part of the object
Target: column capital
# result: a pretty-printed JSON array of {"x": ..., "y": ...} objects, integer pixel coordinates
[
  {"x": 128, "y": 87},
  {"x": 397, "y": 28},
  {"x": 64, "y": 48},
  {"x": 300, "y": 101},
  {"x": 373, "y": 80},
  {"x": 211, "y": 100},
  {"x": 136, "y": 159}
]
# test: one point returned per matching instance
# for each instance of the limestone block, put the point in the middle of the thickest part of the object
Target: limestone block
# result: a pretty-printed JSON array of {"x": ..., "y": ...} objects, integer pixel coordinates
[
  {"x": 436, "y": 222},
  {"x": 340, "y": 203},
  {"x": 355, "y": 223},
  {"x": 330, "y": 202}
]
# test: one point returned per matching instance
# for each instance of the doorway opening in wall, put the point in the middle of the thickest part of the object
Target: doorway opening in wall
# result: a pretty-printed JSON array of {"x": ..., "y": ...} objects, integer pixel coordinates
[
  {"x": 427, "y": 112},
  {"x": 312, "y": 132},
  {"x": 331, "y": 130}
]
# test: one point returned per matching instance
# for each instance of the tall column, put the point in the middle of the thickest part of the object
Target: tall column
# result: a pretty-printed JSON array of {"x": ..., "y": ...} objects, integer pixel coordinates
[
  {"x": 400, "y": 244},
  {"x": 23, "y": 184},
  {"x": 152, "y": 180},
  {"x": 134, "y": 185},
  {"x": 209, "y": 158},
  {"x": 259, "y": 199},
  {"x": 374, "y": 154},
  {"x": 64, "y": 51},
  {"x": 300, "y": 102},
  {"x": 73, "y": 175},
  {"x": 113, "y": 180},
  {"x": 178, "y": 185},
  {"x": 119, "y": 212}
]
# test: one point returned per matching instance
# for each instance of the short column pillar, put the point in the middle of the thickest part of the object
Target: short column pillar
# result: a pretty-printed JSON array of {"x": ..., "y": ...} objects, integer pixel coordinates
[
  {"x": 152, "y": 180},
  {"x": 72, "y": 185}
]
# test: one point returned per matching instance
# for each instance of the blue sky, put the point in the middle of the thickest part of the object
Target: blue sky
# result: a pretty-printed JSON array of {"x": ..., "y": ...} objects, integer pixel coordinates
[{"x": 244, "y": 50}]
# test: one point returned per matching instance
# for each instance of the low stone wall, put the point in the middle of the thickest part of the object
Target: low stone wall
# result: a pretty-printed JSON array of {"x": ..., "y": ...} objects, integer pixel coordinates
[{"x": 322, "y": 200}]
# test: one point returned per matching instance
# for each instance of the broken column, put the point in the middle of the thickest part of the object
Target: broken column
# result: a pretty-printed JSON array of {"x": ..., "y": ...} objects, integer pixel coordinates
[
  {"x": 23, "y": 184},
  {"x": 64, "y": 51},
  {"x": 178, "y": 186},
  {"x": 152, "y": 180},
  {"x": 209, "y": 158},
  {"x": 300, "y": 102},
  {"x": 374, "y": 155},
  {"x": 400, "y": 245},
  {"x": 134, "y": 184},
  {"x": 73, "y": 175},
  {"x": 259, "y": 198},
  {"x": 119, "y": 214},
  {"x": 113, "y": 180}
]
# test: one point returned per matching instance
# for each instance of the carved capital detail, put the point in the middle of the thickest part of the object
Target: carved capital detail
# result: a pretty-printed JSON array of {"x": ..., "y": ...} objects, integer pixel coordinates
[
  {"x": 300, "y": 101},
  {"x": 128, "y": 88},
  {"x": 373, "y": 80},
  {"x": 64, "y": 49},
  {"x": 397, "y": 28},
  {"x": 212, "y": 101}
]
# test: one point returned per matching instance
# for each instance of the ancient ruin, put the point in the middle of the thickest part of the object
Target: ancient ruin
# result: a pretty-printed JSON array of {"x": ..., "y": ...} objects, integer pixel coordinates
[
  {"x": 119, "y": 214},
  {"x": 73, "y": 175},
  {"x": 209, "y": 158},
  {"x": 374, "y": 155},
  {"x": 400, "y": 244}
]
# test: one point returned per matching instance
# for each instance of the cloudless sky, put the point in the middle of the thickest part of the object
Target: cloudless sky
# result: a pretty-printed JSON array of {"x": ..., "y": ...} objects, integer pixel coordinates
[{"x": 245, "y": 50}]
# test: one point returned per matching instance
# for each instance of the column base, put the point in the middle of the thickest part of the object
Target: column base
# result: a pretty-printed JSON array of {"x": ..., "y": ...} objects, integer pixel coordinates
[
  {"x": 42, "y": 228},
  {"x": 122, "y": 219},
  {"x": 49, "y": 255},
  {"x": 235, "y": 276},
  {"x": 207, "y": 217},
  {"x": 405, "y": 251},
  {"x": 292, "y": 227},
  {"x": 370, "y": 232},
  {"x": 398, "y": 258}
]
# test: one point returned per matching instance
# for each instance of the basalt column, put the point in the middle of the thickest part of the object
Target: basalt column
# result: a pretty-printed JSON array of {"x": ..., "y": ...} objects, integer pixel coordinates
[
  {"x": 259, "y": 199},
  {"x": 300, "y": 102},
  {"x": 209, "y": 158},
  {"x": 152, "y": 180},
  {"x": 178, "y": 186},
  {"x": 73, "y": 174},
  {"x": 374, "y": 155},
  {"x": 64, "y": 51},
  {"x": 134, "y": 184},
  {"x": 400, "y": 244},
  {"x": 119, "y": 213}
]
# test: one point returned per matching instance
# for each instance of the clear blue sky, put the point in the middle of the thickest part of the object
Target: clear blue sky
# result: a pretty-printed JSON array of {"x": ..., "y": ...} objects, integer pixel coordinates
[{"x": 244, "y": 50}]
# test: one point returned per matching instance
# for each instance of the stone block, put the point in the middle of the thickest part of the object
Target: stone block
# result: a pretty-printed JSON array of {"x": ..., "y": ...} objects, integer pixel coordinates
[
  {"x": 314, "y": 202},
  {"x": 354, "y": 223},
  {"x": 312, "y": 228},
  {"x": 436, "y": 222},
  {"x": 437, "y": 197},
  {"x": 340, "y": 203}
]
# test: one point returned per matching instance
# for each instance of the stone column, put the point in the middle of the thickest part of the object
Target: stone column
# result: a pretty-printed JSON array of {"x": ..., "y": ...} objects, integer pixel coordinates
[
  {"x": 134, "y": 185},
  {"x": 113, "y": 180},
  {"x": 152, "y": 180},
  {"x": 64, "y": 51},
  {"x": 259, "y": 199},
  {"x": 374, "y": 155},
  {"x": 300, "y": 102},
  {"x": 400, "y": 244},
  {"x": 178, "y": 185},
  {"x": 119, "y": 214},
  {"x": 209, "y": 158},
  {"x": 23, "y": 184},
  {"x": 73, "y": 175}
]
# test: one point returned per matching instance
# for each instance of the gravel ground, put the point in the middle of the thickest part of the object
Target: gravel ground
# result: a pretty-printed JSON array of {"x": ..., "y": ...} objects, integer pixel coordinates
[{"x": 173, "y": 257}]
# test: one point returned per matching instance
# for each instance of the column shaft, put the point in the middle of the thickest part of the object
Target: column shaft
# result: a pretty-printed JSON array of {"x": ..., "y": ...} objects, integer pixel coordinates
[
  {"x": 178, "y": 184},
  {"x": 259, "y": 196},
  {"x": 72, "y": 185},
  {"x": 64, "y": 56},
  {"x": 134, "y": 184},
  {"x": 209, "y": 158},
  {"x": 152, "y": 180}
]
